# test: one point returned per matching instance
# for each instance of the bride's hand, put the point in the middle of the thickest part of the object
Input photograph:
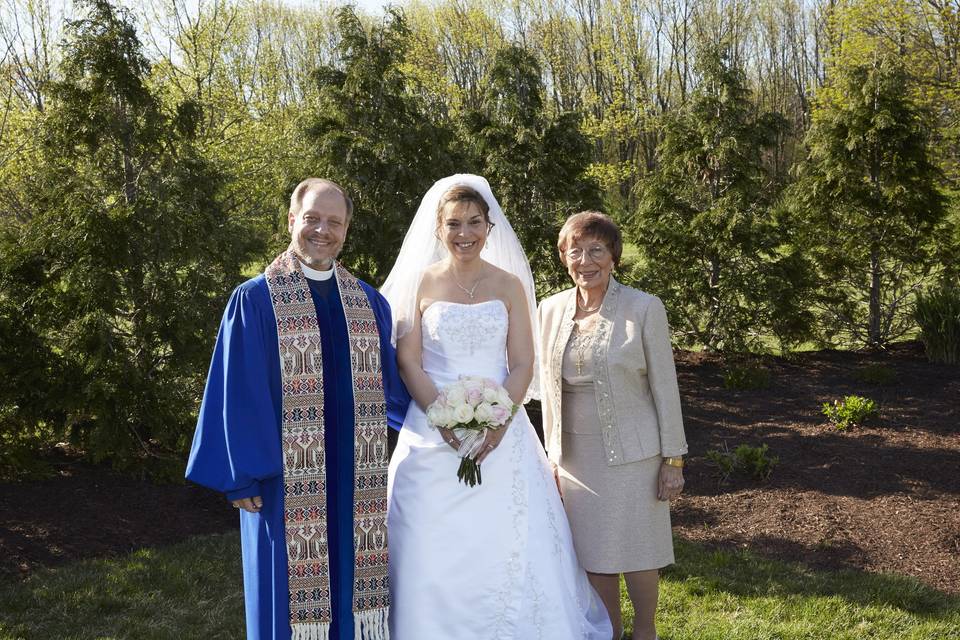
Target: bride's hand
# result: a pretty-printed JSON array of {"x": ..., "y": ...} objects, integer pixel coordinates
[
  {"x": 491, "y": 441},
  {"x": 449, "y": 438}
]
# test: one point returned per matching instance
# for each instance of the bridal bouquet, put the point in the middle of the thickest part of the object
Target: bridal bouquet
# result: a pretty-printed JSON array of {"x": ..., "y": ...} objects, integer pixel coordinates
[{"x": 469, "y": 407}]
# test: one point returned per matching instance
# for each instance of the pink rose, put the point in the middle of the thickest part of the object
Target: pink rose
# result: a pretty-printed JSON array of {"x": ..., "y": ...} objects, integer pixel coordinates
[{"x": 500, "y": 414}]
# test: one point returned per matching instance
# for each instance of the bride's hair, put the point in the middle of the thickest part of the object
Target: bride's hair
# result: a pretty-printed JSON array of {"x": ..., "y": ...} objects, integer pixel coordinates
[{"x": 462, "y": 193}]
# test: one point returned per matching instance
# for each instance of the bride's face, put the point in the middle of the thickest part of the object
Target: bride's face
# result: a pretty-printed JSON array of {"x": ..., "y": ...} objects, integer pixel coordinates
[{"x": 463, "y": 229}]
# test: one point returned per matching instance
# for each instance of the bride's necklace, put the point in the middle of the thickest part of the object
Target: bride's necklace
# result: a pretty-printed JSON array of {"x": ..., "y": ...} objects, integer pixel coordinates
[{"x": 469, "y": 291}]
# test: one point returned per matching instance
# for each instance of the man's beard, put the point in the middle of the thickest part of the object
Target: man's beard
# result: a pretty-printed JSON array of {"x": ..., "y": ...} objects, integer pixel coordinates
[{"x": 319, "y": 265}]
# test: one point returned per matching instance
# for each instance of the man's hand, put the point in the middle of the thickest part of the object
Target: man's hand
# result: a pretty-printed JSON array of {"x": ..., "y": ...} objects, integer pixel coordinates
[{"x": 252, "y": 505}]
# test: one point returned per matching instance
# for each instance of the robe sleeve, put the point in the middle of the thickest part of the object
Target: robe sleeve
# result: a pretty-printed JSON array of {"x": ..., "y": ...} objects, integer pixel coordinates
[
  {"x": 395, "y": 392},
  {"x": 237, "y": 441}
]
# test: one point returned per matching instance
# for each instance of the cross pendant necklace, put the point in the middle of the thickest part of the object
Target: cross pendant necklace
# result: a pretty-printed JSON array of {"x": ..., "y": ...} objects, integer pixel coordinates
[
  {"x": 578, "y": 349},
  {"x": 469, "y": 291}
]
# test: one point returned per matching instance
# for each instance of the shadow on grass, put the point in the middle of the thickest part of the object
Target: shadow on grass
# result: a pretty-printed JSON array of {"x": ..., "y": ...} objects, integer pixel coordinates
[
  {"x": 193, "y": 590},
  {"x": 745, "y": 574},
  {"x": 189, "y": 590}
]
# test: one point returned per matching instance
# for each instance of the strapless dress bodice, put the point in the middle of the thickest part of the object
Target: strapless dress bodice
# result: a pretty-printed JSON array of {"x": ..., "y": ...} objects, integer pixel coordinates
[{"x": 464, "y": 339}]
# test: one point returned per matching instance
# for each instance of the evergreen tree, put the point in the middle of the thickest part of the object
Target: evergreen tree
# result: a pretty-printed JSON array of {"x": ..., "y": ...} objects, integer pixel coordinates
[
  {"x": 535, "y": 162},
  {"x": 375, "y": 137},
  {"x": 127, "y": 255},
  {"x": 869, "y": 199},
  {"x": 711, "y": 244}
]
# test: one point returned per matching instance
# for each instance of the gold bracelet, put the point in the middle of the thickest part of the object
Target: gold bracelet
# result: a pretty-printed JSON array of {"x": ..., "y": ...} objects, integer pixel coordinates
[{"x": 674, "y": 462}]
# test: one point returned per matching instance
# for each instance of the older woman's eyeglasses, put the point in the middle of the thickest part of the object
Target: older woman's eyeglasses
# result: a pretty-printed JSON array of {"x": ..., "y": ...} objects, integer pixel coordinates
[{"x": 595, "y": 253}]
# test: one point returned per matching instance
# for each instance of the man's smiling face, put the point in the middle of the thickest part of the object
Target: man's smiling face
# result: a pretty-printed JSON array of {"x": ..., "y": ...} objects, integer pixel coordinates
[{"x": 319, "y": 229}]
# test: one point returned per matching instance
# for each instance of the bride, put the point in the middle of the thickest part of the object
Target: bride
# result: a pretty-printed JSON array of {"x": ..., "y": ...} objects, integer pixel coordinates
[{"x": 494, "y": 561}]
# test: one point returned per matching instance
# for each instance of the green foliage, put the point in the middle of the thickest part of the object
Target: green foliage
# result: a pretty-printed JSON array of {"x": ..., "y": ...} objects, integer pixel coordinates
[
  {"x": 375, "y": 137},
  {"x": 712, "y": 244},
  {"x": 746, "y": 377},
  {"x": 852, "y": 411},
  {"x": 878, "y": 374},
  {"x": 20, "y": 440},
  {"x": 938, "y": 314},
  {"x": 868, "y": 198},
  {"x": 536, "y": 162},
  {"x": 122, "y": 264},
  {"x": 752, "y": 462}
]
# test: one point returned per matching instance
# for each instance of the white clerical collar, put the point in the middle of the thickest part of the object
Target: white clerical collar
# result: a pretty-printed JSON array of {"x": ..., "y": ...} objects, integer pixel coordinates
[{"x": 315, "y": 274}]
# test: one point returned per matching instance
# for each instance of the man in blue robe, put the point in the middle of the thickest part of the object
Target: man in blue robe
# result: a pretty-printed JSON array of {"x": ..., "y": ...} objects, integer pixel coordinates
[{"x": 249, "y": 445}]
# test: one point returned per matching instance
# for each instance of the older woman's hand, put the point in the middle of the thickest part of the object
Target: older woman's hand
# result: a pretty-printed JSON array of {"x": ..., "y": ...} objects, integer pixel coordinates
[{"x": 670, "y": 482}]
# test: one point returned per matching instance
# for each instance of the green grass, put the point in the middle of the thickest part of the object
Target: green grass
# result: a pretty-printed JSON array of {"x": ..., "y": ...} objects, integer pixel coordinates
[
  {"x": 722, "y": 595},
  {"x": 193, "y": 590}
]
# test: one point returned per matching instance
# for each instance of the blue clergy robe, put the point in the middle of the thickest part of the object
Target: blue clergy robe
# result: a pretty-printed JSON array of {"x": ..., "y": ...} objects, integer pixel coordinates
[{"x": 237, "y": 444}]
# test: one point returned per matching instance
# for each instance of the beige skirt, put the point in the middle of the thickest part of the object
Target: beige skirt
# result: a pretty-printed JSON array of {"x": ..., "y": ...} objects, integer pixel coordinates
[{"x": 617, "y": 522}]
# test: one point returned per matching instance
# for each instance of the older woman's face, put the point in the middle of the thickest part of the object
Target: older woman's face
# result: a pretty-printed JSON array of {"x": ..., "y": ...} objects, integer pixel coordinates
[{"x": 589, "y": 263}]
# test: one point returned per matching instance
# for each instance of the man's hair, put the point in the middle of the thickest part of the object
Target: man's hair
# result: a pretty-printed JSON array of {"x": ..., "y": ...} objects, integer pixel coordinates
[{"x": 296, "y": 198}]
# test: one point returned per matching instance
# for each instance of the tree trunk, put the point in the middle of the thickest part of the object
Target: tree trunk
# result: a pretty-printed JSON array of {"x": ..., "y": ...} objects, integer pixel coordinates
[{"x": 874, "y": 327}]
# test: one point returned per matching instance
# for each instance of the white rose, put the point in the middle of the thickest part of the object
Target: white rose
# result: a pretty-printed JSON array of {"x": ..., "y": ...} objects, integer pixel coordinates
[
  {"x": 490, "y": 395},
  {"x": 456, "y": 396},
  {"x": 462, "y": 413},
  {"x": 504, "y": 398},
  {"x": 447, "y": 418},
  {"x": 436, "y": 415},
  {"x": 484, "y": 413},
  {"x": 471, "y": 382}
]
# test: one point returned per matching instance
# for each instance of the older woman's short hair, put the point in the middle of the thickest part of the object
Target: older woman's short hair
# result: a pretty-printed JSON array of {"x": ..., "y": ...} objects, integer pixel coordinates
[
  {"x": 296, "y": 198},
  {"x": 591, "y": 224},
  {"x": 462, "y": 193}
]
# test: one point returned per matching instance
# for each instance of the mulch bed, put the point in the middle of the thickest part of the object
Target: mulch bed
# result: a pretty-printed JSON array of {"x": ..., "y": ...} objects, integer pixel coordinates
[{"x": 885, "y": 497}]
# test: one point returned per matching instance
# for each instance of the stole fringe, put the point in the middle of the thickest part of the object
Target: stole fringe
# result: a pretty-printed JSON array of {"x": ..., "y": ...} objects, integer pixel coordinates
[
  {"x": 371, "y": 624},
  {"x": 310, "y": 631}
]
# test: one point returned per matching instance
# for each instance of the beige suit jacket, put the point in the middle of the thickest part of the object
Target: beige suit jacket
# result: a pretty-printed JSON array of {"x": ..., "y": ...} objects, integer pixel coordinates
[{"x": 636, "y": 381}]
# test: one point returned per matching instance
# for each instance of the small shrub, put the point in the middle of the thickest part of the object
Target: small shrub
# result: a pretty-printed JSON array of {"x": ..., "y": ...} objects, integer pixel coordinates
[
  {"x": 852, "y": 411},
  {"x": 724, "y": 461},
  {"x": 938, "y": 314},
  {"x": 879, "y": 374},
  {"x": 744, "y": 377},
  {"x": 753, "y": 462}
]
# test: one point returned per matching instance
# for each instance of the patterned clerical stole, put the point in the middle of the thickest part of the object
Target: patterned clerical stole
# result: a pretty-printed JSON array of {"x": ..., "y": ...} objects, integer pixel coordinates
[{"x": 304, "y": 462}]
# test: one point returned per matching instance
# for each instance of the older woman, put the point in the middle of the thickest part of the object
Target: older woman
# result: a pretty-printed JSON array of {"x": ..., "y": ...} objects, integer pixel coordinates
[{"x": 612, "y": 422}]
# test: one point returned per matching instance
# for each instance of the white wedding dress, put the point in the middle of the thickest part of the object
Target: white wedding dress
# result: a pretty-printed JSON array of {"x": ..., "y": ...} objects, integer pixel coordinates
[{"x": 494, "y": 561}]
